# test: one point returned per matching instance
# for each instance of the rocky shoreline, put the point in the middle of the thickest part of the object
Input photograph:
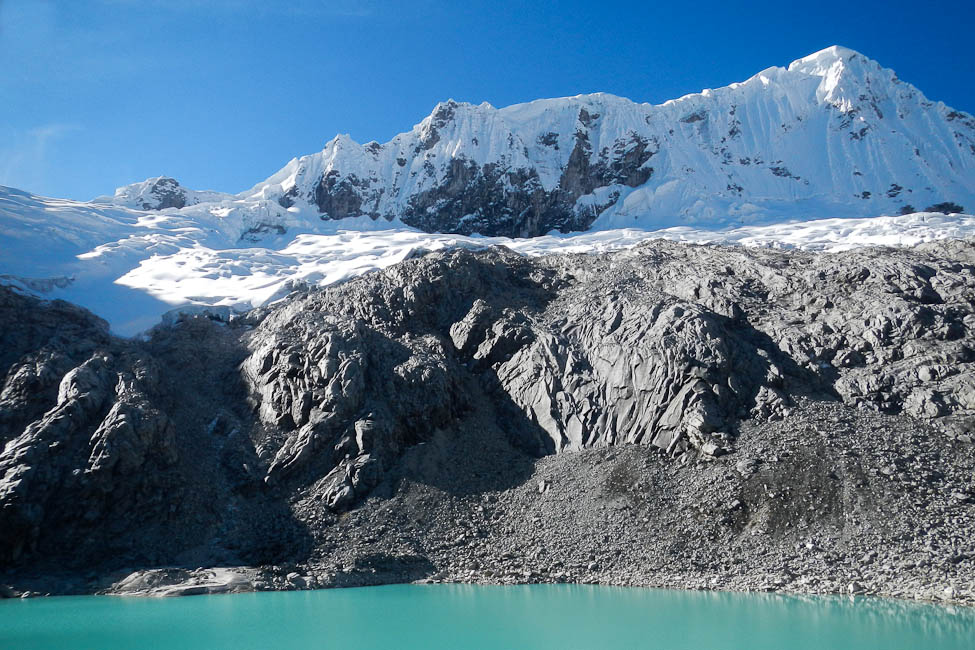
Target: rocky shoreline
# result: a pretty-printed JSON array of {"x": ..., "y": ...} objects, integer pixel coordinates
[
  {"x": 673, "y": 416},
  {"x": 702, "y": 535}
]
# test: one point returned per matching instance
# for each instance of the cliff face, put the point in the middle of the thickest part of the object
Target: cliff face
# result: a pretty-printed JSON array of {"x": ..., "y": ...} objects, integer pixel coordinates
[{"x": 241, "y": 442}]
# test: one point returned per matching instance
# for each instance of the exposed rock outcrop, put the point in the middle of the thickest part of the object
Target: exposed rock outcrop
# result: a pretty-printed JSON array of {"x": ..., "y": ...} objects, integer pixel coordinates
[{"x": 164, "y": 193}]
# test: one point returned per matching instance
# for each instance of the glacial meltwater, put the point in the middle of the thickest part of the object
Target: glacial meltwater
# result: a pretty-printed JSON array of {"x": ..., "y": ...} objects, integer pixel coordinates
[{"x": 461, "y": 616}]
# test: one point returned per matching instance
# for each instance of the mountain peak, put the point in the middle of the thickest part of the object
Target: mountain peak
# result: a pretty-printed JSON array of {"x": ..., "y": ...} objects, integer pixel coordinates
[
  {"x": 832, "y": 60},
  {"x": 827, "y": 56},
  {"x": 846, "y": 76}
]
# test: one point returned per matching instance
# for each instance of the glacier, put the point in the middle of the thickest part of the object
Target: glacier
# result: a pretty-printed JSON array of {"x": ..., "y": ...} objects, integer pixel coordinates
[{"x": 830, "y": 152}]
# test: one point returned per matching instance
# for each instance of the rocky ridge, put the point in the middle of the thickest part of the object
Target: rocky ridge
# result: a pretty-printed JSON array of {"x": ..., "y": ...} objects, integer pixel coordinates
[{"x": 672, "y": 415}]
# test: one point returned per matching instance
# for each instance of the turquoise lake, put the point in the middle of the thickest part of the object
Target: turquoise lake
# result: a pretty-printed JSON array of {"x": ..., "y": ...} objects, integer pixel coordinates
[{"x": 462, "y": 616}]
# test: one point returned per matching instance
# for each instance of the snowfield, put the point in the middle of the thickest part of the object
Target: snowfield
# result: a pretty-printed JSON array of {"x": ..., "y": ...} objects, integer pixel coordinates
[
  {"x": 133, "y": 267},
  {"x": 250, "y": 277}
]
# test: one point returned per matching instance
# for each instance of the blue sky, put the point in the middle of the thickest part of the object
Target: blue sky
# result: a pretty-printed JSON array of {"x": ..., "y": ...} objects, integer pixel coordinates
[{"x": 220, "y": 94}]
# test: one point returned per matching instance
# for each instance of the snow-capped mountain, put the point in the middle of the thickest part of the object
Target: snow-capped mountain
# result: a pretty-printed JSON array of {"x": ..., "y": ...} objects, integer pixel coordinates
[
  {"x": 834, "y": 134},
  {"x": 833, "y": 138}
]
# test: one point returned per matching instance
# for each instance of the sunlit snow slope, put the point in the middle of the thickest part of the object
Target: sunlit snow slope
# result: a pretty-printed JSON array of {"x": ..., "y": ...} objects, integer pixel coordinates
[
  {"x": 831, "y": 140},
  {"x": 151, "y": 263}
]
